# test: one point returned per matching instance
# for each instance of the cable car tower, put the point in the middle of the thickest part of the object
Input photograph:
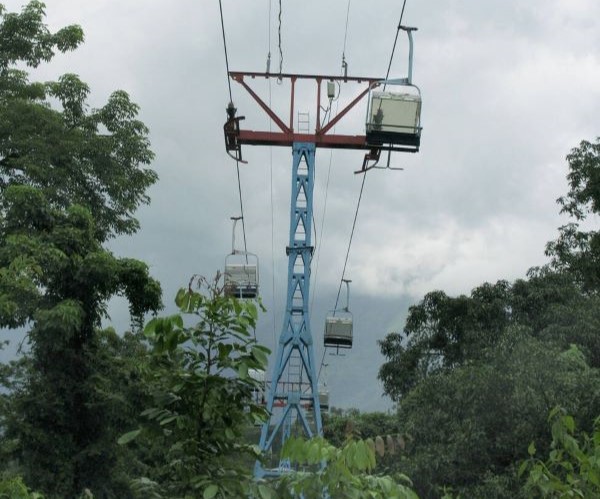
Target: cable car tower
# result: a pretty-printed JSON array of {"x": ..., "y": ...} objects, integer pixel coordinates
[{"x": 392, "y": 124}]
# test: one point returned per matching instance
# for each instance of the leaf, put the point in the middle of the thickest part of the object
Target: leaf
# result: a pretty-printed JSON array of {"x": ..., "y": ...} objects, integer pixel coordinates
[
  {"x": 522, "y": 468},
  {"x": 531, "y": 449},
  {"x": 569, "y": 423},
  {"x": 167, "y": 420},
  {"x": 260, "y": 356},
  {"x": 265, "y": 492},
  {"x": 243, "y": 370},
  {"x": 210, "y": 491},
  {"x": 128, "y": 437}
]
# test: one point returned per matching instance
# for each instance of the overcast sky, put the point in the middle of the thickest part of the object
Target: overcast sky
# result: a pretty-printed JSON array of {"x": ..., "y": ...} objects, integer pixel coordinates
[{"x": 508, "y": 88}]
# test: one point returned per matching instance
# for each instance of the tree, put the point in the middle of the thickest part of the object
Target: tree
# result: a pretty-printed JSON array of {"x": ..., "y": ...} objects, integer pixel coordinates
[
  {"x": 70, "y": 178},
  {"x": 202, "y": 396},
  {"x": 572, "y": 468},
  {"x": 477, "y": 375},
  {"x": 577, "y": 250},
  {"x": 72, "y": 155},
  {"x": 468, "y": 428},
  {"x": 58, "y": 413},
  {"x": 443, "y": 332},
  {"x": 343, "y": 472}
]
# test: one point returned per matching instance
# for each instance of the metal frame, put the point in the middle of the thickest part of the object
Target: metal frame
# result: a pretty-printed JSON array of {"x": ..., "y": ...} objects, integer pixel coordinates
[
  {"x": 250, "y": 290},
  {"x": 295, "y": 340},
  {"x": 235, "y": 136},
  {"x": 340, "y": 342}
]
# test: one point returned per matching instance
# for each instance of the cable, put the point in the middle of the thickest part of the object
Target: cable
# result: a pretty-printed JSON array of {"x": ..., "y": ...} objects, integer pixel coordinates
[
  {"x": 269, "y": 35},
  {"x": 346, "y": 33},
  {"x": 387, "y": 74},
  {"x": 321, "y": 365},
  {"x": 225, "y": 47},
  {"x": 237, "y": 163},
  {"x": 237, "y": 166},
  {"x": 344, "y": 66},
  {"x": 280, "y": 49},
  {"x": 337, "y": 299},
  {"x": 350, "y": 242},
  {"x": 274, "y": 305}
]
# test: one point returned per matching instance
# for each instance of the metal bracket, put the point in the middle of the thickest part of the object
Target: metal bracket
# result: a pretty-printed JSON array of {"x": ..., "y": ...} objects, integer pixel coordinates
[
  {"x": 231, "y": 129},
  {"x": 374, "y": 155}
]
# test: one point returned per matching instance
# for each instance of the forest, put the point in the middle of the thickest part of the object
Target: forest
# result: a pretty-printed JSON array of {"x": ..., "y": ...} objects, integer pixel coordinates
[{"x": 497, "y": 393}]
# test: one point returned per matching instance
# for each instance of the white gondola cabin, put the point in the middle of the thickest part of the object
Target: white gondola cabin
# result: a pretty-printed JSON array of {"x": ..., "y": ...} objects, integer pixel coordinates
[
  {"x": 338, "y": 329},
  {"x": 241, "y": 275},
  {"x": 241, "y": 271},
  {"x": 339, "y": 325},
  {"x": 324, "y": 399},
  {"x": 394, "y": 118}
]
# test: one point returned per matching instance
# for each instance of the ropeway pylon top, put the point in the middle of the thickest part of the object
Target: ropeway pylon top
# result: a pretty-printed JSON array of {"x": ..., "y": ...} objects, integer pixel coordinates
[{"x": 323, "y": 135}]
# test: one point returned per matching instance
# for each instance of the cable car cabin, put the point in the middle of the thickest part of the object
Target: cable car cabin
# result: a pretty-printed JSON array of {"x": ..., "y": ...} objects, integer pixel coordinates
[
  {"x": 338, "y": 329},
  {"x": 394, "y": 118},
  {"x": 324, "y": 399},
  {"x": 241, "y": 275}
]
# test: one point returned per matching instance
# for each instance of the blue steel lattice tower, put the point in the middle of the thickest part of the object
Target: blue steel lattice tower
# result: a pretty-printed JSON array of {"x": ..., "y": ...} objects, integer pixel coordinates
[
  {"x": 294, "y": 384},
  {"x": 293, "y": 394}
]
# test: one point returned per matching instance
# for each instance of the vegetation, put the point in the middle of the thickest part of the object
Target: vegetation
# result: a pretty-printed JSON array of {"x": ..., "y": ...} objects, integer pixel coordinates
[
  {"x": 201, "y": 395},
  {"x": 69, "y": 180},
  {"x": 476, "y": 376},
  {"x": 162, "y": 411},
  {"x": 572, "y": 468}
]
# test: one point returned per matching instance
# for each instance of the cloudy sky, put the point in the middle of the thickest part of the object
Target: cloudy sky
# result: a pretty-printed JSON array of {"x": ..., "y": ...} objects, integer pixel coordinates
[{"x": 508, "y": 88}]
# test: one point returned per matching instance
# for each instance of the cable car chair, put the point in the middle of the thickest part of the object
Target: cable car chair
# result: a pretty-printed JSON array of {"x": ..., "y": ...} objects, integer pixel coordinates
[
  {"x": 241, "y": 271},
  {"x": 394, "y": 117},
  {"x": 338, "y": 325}
]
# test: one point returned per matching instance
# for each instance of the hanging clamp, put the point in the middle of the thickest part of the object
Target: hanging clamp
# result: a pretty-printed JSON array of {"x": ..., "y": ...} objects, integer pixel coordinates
[{"x": 231, "y": 130}]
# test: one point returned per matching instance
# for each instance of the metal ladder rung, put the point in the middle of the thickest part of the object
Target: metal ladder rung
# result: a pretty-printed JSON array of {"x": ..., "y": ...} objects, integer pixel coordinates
[{"x": 303, "y": 122}]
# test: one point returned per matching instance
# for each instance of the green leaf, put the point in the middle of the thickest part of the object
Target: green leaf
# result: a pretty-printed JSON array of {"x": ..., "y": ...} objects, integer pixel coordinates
[
  {"x": 531, "y": 449},
  {"x": 243, "y": 370},
  {"x": 522, "y": 468},
  {"x": 167, "y": 420},
  {"x": 260, "y": 356},
  {"x": 210, "y": 491},
  {"x": 569, "y": 423},
  {"x": 128, "y": 437},
  {"x": 265, "y": 492}
]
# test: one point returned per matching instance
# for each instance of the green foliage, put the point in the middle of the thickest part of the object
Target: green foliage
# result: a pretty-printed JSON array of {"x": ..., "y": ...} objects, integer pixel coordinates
[
  {"x": 466, "y": 427},
  {"x": 344, "y": 472},
  {"x": 572, "y": 468},
  {"x": 24, "y": 37},
  {"x": 351, "y": 423},
  {"x": 14, "y": 488},
  {"x": 202, "y": 395},
  {"x": 70, "y": 178},
  {"x": 476, "y": 375},
  {"x": 576, "y": 250},
  {"x": 72, "y": 155}
]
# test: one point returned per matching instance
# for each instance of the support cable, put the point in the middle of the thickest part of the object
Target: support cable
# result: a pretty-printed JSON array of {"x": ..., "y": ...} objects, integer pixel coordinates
[
  {"x": 365, "y": 175},
  {"x": 237, "y": 166},
  {"x": 350, "y": 242},
  {"x": 269, "y": 35},
  {"x": 280, "y": 49},
  {"x": 387, "y": 74},
  {"x": 345, "y": 36},
  {"x": 225, "y": 48},
  {"x": 344, "y": 69},
  {"x": 274, "y": 307},
  {"x": 237, "y": 163}
]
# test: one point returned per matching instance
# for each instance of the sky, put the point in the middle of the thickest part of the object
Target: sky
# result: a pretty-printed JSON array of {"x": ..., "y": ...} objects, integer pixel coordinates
[{"x": 508, "y": 88}]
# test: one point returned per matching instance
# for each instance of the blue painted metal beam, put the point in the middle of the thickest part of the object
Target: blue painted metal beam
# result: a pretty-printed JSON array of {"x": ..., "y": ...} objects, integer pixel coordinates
[{"x": 294, "y": 375}]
